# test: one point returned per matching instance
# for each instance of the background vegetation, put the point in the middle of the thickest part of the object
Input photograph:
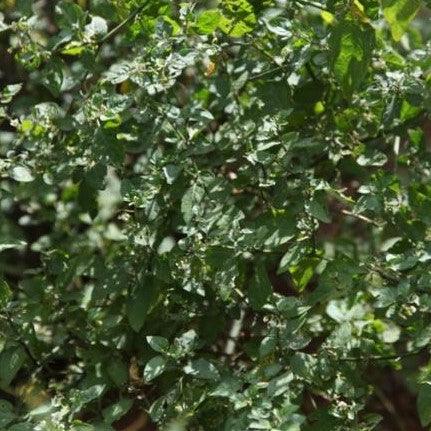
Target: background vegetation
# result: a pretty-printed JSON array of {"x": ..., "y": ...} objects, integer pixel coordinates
[{"x": 215, "y": 215}]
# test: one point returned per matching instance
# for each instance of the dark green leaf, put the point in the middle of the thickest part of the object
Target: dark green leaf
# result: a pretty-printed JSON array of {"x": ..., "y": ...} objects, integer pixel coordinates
[
  {"x": 260, "y": 287},
  {"x": 352, "y": 48},
  {"x": 424, "y": 404},
  {"x": 154, "y": 367},
  {"x": 141, "y": 302}
]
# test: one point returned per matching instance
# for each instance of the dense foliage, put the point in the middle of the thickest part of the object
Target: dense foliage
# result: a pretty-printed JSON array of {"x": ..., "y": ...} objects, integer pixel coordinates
[{"x": 215, "y": 215}]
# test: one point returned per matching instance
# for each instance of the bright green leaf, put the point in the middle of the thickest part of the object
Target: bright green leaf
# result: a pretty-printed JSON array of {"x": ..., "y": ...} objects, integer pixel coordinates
[{"x": 399, "y": 14}]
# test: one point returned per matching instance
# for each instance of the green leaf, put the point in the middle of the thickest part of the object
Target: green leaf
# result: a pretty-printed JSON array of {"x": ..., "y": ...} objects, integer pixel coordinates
[
  {"x": 202, "y": 369},
  {"x": 372, "y": 158},
  {"x": 22, "y": 174},
  {"x": 241, "y": 18},
  {"x": 12, "y": 244},
  {"x": 351, "y": 53},
  {"x": 260, "y": 287},
  {"x": 80, "y": 398},
  {"x": 317, "y": 208},
  {"x": 97, "y": 27},
  {"x": 69, "y": 15},
  {"x": 141, "y": 302},
  {"x": 424, "y": 404},
  {"x": 73, "y": 48},
  {"x": 6, "y": 413},
  {"x": 209, "y": 20},
  {"x": 7, "y": 94},
  {"x": 391, "y": 333},
  {"x": 292, "y": 257},
  {"x": 159, "y": 344},
  {"x": 3, "y": 25},
  {"x": 303, "y": 272},
  {"x": 53, "y": 77},
  {"x": 117, "y": 410},
  {"x": 118, "y": 372},
  {"x": 5, "y": 293},
  {"x": 154, "y": 367},
  {"x": 399, "y": 14},
  {"x": 190, "y": 200},
  {"x": 171, "y": 173},
  {"x": 268, "y": 345},
  {"x": 11, "y": 361}
]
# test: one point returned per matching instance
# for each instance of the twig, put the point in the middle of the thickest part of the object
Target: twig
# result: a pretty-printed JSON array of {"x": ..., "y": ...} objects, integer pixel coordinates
[
  {"x": 118, "y": 28},
  {"x": 362, "y": 217},
  {"x": 264, "y": 52},
  {"x": 380, "y": 358},
  {"x": 384, "y": 274},
  {"x": 267, "y": 72}
]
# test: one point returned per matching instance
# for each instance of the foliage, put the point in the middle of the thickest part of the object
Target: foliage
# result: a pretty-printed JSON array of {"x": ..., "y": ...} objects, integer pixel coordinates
[{"x": 217, "y": 213}]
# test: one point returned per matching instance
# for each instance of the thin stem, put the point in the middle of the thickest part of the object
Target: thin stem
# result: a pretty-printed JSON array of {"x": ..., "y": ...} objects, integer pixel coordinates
[
  {"x": 263, "y": 74},
  {"x": 362, "y": 218},
  {"x": 392, "y": 277},
  {"x": 380, "y": 358},
  {"x": 265, "y": 53},
  {"x": 119, "y": 27}
]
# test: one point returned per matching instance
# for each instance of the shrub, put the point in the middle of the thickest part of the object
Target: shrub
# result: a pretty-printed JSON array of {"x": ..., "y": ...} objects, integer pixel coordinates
[{"x": 215, "y": 215}]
